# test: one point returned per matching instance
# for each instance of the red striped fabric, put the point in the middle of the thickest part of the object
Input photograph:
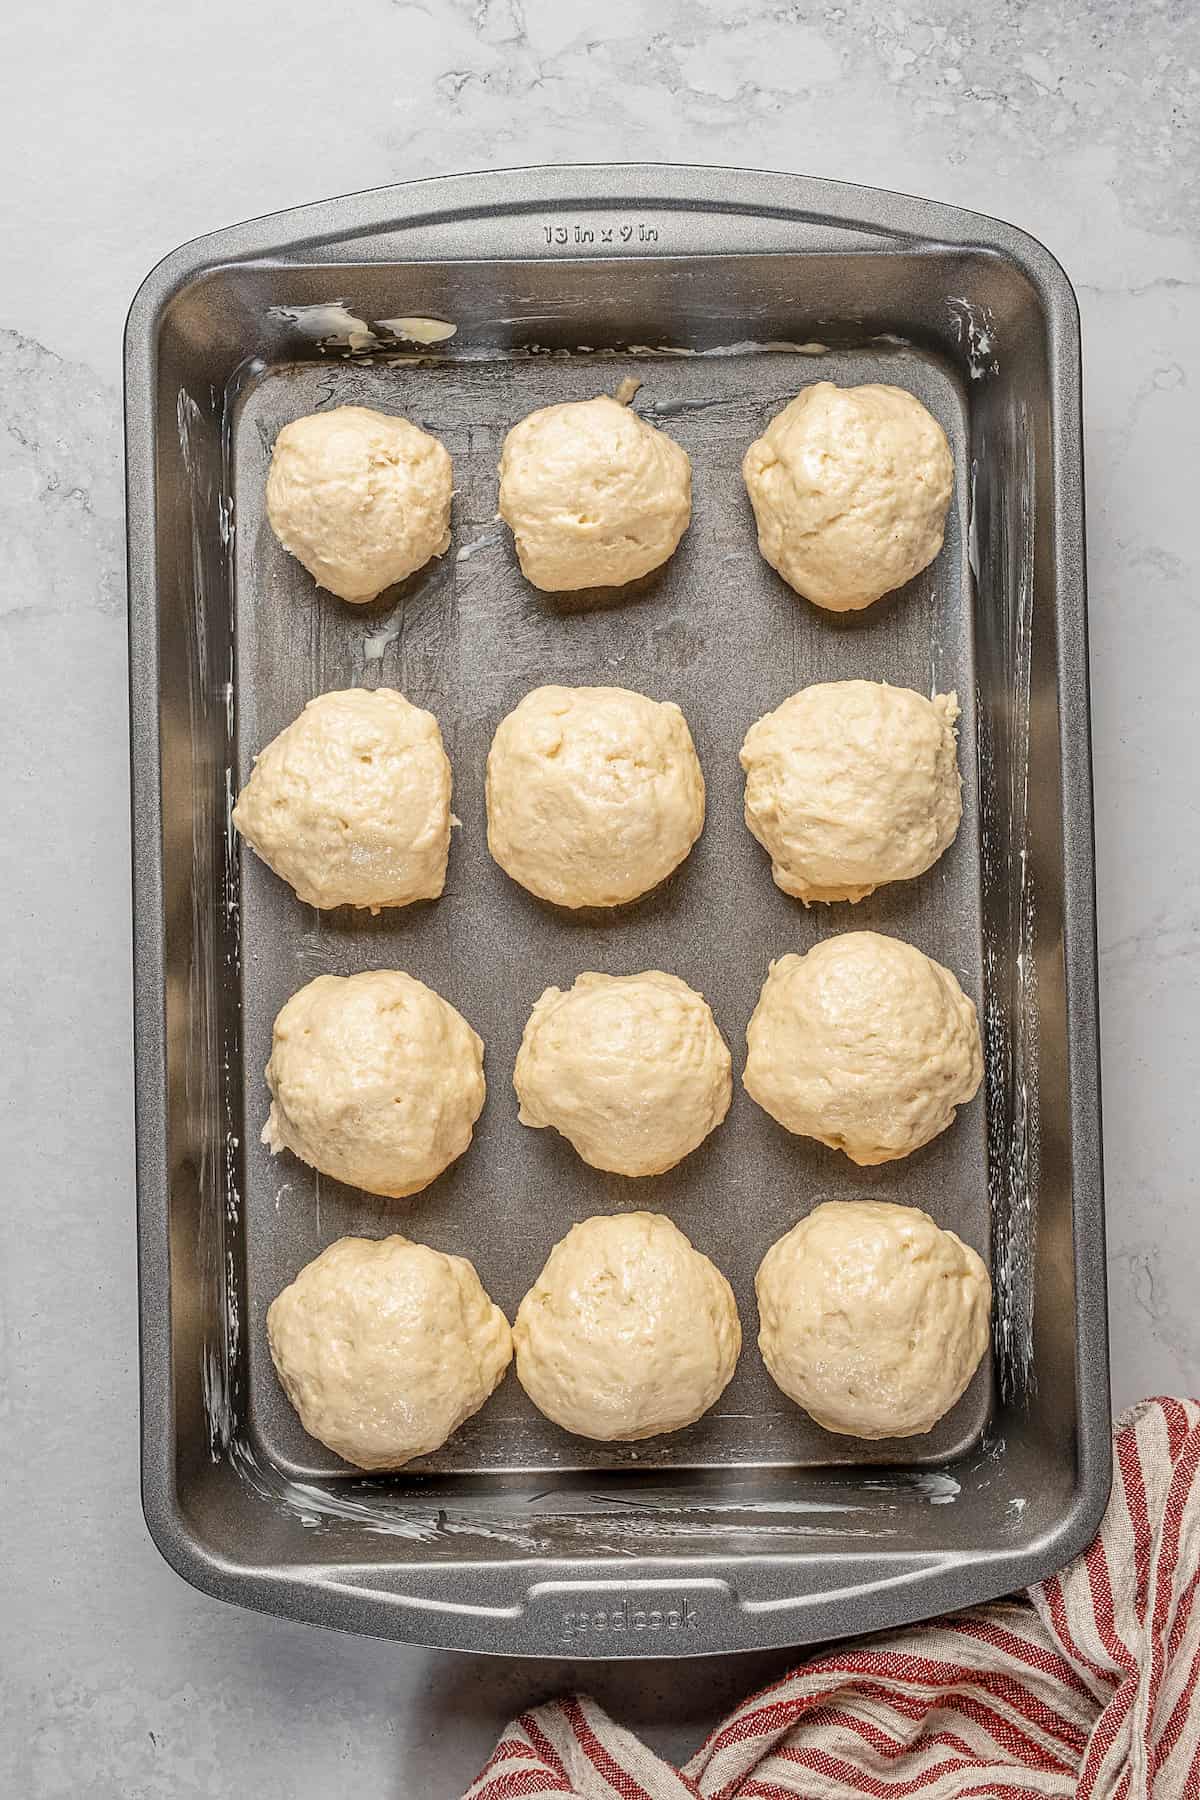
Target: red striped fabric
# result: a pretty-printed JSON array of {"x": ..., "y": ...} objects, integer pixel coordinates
[{"x": 1088, "y": 1686}]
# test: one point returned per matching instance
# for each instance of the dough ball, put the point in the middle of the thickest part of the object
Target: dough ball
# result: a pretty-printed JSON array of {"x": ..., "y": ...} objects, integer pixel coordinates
[
  {"x": 384, "y": 1347},
  {"x": 594, "y": 794},
  {"x": 850, "y": 784},
  {"x": 873, "y": 1319},
  {"x": 375, "y": 1080},
  {"x": 351, "y": 802},
  {"x": 850, "y": 488},
  {"x": 594, "y": 495},
  {"x": 361, "y": 498},
  {"x": 865, "y": 1044},
  {"x": 631, "y": 1069},
  {"x": 627, "y": 1332}
]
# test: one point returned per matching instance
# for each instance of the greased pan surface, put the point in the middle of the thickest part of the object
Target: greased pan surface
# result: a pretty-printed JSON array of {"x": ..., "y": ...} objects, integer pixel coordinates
[
  {"x": 485, "y": 1544},
  {"x": 719, "y": 633}
]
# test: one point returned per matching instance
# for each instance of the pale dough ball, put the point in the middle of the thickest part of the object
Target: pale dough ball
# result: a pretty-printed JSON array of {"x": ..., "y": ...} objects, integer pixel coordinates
[
  {"x": 385, "y": 1347},
  {"x": 631, "y": 1069},
  {"x": 594, "y": 495},
  {"x": 375, "y": 1080},
  {"x": 873, "y": 1319},
  {"x": 351, "y": 802},
  {"x": 850, "y": 784},
  {"x": 865, "y": 1044},
  {"x": 627, "y": 1332},
  {"x": 850, "y": 488},
  {"x": 594, "y": 794},
  {"x": 361, "y": 498}
]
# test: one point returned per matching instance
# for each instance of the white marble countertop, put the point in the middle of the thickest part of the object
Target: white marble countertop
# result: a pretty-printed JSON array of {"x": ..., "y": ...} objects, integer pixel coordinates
[{"x": 129, "y": 129}]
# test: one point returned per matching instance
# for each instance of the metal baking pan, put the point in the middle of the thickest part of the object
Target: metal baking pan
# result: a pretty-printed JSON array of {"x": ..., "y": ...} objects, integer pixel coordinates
[{"x": 723, "y": 292}]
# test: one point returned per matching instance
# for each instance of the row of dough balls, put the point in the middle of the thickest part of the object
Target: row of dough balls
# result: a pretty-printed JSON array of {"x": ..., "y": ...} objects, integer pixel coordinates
[
  {"x": 849, "y": 486},
  {"x": 872, "y": 1318},
  {"x": 865, "y": 1044},
  {"x": 595, "y": 794}
]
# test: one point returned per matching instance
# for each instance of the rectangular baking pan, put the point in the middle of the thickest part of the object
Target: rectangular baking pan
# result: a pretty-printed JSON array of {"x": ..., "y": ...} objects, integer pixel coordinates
[{"x": 723, "y": 292}]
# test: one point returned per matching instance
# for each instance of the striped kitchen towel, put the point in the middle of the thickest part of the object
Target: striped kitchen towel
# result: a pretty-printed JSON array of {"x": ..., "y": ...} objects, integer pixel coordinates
[{"x": 1087, "y": 1685}]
